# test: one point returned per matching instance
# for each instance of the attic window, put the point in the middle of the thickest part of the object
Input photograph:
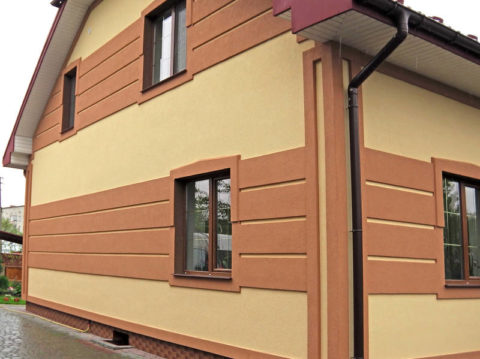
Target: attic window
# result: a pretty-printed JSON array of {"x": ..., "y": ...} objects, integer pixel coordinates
[
  {"x": 69, "y": 84},
  {"x": 164, "y": 42}
]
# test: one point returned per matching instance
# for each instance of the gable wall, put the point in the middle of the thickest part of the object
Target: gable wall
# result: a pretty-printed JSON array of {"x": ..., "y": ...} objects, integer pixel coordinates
[
  {"x": 101, "y": 205},
  {"x": 411, "y": 135}
]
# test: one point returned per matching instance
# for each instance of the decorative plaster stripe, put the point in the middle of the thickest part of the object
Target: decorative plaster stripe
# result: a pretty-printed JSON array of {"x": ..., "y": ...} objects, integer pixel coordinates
[
  {"x": 397, "y": 223},
  {"x": 398, "y": 188},
  {"x": 398, "y": 259}
]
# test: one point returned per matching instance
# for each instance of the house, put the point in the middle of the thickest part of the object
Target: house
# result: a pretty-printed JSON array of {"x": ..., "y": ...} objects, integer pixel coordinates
[
  {"x": 197, "y": 185},
  {"x": 15, "y": 215}
]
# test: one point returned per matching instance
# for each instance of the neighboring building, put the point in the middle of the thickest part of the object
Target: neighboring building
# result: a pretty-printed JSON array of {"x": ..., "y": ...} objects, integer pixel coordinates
[
  {"x": 188, "y": 178},
  {"x": 15, "y": 215},
  {"x": 12, "y": 265}
]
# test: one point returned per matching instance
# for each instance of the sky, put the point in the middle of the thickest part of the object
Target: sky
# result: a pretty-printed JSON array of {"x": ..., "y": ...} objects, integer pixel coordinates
[{"x": 24, "y": 26}]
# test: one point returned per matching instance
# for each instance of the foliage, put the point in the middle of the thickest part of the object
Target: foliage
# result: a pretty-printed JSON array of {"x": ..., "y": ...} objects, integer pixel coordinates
[
  {"x": 3, "y": 282},
  {"x": 10, "y": 227},
  {"x": 17, "y": 288}
]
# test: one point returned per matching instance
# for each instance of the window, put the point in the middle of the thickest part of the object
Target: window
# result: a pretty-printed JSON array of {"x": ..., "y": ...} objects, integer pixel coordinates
[
  {"x": 203, "y": 225},
  {"x": 165, "y": 42},
  {"x": 462, "y": 230},
  {"x": 69, "y": 83}
]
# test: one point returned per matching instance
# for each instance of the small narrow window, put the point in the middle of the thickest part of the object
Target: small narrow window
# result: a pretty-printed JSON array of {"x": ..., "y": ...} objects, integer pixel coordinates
[
  {"x": 165, "y": 43},
  {"x": 462, "y": 230},
  {"x": 69, "y": 84},
  {"x": 204, "y": 225}
]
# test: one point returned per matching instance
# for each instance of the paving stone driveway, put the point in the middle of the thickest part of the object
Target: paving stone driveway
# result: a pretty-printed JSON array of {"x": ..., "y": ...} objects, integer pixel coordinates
[{"x": 26, "y": 337}]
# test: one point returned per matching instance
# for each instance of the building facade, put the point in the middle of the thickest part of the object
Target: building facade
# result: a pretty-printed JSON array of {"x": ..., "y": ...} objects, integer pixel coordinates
[
  {"x": 188, "y": 180},
  {"x": 15, "y": 215}
]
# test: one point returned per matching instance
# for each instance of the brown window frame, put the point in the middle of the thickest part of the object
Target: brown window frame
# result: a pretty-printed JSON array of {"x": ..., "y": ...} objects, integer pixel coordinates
[
  {"x": 149, "y": 44},
  {"x": 69, "y": 99},
  {"x": 180, "y": 220},
  {"x": 467, "y": 280}
]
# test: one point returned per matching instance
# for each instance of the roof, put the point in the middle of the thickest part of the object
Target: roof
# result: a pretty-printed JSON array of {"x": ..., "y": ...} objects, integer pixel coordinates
[
  {"x": 52, "y": 59},
  {"x": 10, "y": 237},
  {"x": 433, "y": 50}
]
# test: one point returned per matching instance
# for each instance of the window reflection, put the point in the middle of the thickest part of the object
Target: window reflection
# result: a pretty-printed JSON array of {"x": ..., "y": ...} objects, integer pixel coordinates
[
  {"x": 224, "y": 226},
  {"x": 453, "y": 230},
  {"x": 197, "y": 195}
]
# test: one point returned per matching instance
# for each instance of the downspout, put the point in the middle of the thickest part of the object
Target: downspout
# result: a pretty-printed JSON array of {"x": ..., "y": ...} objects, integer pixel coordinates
[{"x": 402, "y": 18}]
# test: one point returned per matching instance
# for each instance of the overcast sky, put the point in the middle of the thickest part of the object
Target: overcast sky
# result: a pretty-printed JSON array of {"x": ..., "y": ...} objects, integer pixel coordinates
[{"x": 24, "y": 26}]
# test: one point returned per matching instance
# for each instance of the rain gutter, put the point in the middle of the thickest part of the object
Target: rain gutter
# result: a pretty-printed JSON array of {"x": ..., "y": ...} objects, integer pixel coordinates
[{"x": 401, "y": 17}]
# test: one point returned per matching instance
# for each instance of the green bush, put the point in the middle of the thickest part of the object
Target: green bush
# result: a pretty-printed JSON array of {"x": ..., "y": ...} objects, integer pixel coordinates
[
  {"x": 3, "y": 282},
  {"x": 17, "y": 288}
]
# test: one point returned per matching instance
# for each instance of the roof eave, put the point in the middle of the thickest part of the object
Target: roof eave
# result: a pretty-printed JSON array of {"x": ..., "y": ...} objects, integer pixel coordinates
[
  {"x": 305, "y": 13},
  {"x": 7, "y": 157}
]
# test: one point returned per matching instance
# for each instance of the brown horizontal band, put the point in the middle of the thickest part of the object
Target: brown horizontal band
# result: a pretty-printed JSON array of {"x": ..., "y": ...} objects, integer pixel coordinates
[
  {"x": 273, "y": 273},
  {"x": 398, "y": 170},
  {"x": 202, "y": 9},
  {"x": 274, "y": 237},
  {"x": 128, "y": 266},
  {"x": 139, "y": 217},
  {"x": 111, "y": 48},
  {"x": 273, "y": 168},
  {"x": 383, "y": 203},
  {"x": 400, "y": 241},
  {"x": 109, "y": 67},
  {"x": 391, "y": 277},
  {"x": 278, "y": 202},
  {"x": 125, "y": 242},
  {"x": 144, "y": 192},
  {"x": 120, "y": 79},
  {"x": 221, "y": 22}
]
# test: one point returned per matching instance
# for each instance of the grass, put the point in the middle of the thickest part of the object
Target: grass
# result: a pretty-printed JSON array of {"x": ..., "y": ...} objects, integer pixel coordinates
[{"x": 11, "y": 301}]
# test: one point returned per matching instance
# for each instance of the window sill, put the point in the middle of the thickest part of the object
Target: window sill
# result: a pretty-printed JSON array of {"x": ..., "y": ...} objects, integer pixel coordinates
[
  {"x": 159, "y": 83},
  {"x": 463, "y": 284},
  {"x": 202, "y": 276},
  {"x": 65, "y": 130}
]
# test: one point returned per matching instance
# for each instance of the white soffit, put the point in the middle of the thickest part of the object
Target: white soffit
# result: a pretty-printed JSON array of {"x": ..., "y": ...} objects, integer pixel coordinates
[
  {"x": 369, "y": 36},
  {"x": 52, "y": 64}
]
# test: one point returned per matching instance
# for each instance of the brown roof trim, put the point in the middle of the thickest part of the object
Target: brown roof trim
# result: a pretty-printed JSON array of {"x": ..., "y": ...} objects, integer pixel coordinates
[
  {"x": 11, "y": 142},
  {"x": 10, "y": 237},
  {"x": 307, "y": 13}
]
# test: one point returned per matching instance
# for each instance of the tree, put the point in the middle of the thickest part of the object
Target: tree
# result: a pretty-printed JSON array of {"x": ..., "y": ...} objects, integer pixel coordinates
[
  {"x": 8, "y": 226},
  {"x": 8, "y": 247}
]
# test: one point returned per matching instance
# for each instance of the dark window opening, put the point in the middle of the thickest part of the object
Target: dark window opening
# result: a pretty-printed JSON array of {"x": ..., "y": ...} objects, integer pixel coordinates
[
  {"x": 69, "y": 84},
  {"x": 203, "y": 226},
  {"x": 165, "y": 43},
  {"x": 461, "y": 200}
]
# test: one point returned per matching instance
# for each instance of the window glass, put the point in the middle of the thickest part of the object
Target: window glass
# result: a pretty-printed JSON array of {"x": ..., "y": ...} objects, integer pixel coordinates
[
  {"x": 169, "y": 42},
  {"x": 71, "y": 115},
  {"x": 453, "y": 230},
  {"x": 180, "y": 38},
  {"x": 197, "y": 213},
  {"x": 473, "y": 223},
  {"x": 69, "y": 84},
  {"x": 224, "y": 226}
]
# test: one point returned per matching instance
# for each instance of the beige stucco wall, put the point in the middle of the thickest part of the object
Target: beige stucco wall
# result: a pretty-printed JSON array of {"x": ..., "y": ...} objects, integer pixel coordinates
[
  {"x": 264, "y": 320},
  {"x": 407, "y": 120},
  {"x": 417, "y": 326},
  {"x": 410, "y": 121},
  {"x": 107, "y": 19},
  {"x": 250, "y": 105}
]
